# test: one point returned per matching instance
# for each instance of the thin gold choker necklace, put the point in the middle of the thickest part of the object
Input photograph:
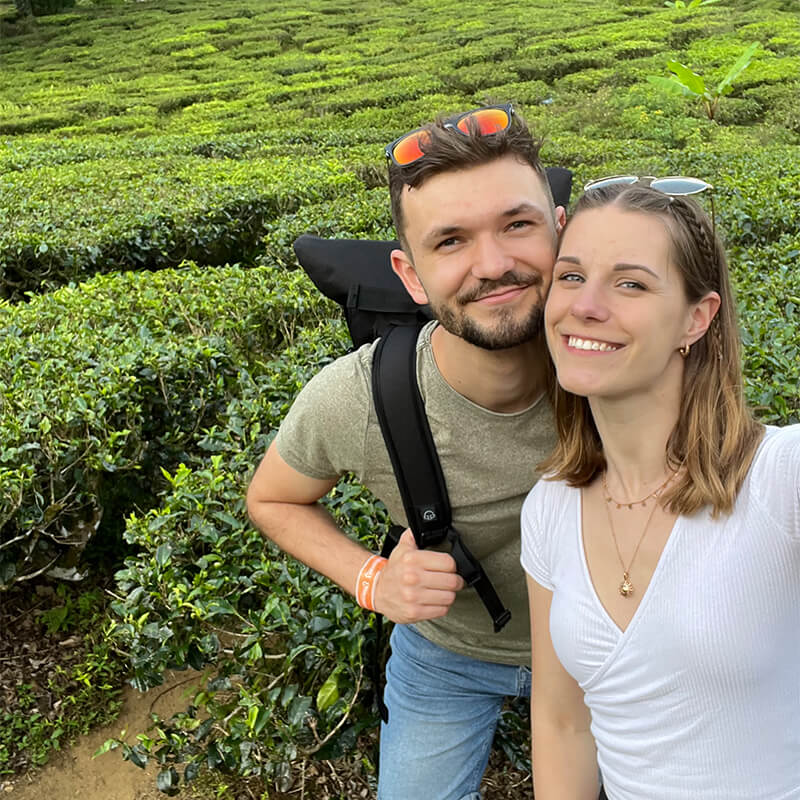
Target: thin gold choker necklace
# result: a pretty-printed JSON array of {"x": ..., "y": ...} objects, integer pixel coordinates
[{"x": 643, "y": 502}]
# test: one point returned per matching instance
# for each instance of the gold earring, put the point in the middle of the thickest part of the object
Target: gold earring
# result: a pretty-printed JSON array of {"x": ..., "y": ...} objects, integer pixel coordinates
[{"x": 684, "y": 351}]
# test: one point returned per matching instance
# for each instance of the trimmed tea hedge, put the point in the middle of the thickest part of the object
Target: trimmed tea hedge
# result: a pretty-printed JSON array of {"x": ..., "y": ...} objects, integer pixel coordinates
[
  {"x": 162, "y": 133},
  {"x": 106, "y": 383},
  {"x": 146, "y": 213},
  {"x": 288, "y": 647}
]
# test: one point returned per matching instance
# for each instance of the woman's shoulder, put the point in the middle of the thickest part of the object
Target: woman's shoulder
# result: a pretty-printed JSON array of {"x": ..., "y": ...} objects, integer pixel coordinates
[
  {"x": 548, "y": 497},
  {"x": 779, "y": 450},
  {"x": 548, "y": 486},
  {"x": 773, "y": 483}
]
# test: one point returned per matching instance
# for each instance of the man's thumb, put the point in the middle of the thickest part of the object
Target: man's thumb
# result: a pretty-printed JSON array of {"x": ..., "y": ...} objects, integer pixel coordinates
[{"x": 407, "y": 540}]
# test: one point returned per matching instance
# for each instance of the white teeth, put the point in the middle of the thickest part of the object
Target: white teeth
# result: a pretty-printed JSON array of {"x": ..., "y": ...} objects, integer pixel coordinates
[{"x": 591, "y": 344}]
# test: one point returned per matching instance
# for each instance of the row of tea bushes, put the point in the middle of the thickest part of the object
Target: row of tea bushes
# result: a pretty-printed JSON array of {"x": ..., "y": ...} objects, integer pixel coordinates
[
  {"x": 239, "y": 202},
  {"x": 194, "y": 152},
  {"x": 66, "y": 222},
  {"x": 106, "y": 383}
]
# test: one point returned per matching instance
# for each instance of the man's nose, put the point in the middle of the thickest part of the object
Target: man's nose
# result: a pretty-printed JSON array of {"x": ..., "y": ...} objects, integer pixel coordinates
[{"x": 491, "y": 261}]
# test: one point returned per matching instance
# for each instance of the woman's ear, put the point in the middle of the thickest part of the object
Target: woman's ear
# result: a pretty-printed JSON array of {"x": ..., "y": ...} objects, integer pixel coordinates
[
  {"x": 701, "y": 315},
  {"x": 405, "y": 270}
]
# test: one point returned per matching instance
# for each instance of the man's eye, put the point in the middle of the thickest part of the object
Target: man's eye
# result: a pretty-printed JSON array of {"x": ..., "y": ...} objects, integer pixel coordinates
[
  {"x": 449, "y": 242},
  {"x": 517, "y": 224}
]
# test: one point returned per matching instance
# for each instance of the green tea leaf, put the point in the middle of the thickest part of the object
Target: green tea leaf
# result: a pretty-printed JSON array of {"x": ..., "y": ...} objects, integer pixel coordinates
[
  {"x": 163, "y": 553},
  {"x": 328, "y": 693}
]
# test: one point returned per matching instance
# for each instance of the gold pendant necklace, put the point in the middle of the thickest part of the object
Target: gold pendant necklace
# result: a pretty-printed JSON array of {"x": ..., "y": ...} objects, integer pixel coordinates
[{"x": 626, "y": 588}]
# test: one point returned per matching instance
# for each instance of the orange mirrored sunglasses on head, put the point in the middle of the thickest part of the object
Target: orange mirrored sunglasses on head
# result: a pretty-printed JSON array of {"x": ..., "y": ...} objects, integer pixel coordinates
[{"x": 486, "y": 120}]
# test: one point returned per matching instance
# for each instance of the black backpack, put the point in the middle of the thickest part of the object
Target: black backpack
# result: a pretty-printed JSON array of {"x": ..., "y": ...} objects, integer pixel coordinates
[{"x": 357, "y": 274}]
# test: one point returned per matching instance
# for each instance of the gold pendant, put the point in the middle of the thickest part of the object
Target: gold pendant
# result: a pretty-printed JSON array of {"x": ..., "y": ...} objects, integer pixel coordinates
[{"x": 626, "y": 587}]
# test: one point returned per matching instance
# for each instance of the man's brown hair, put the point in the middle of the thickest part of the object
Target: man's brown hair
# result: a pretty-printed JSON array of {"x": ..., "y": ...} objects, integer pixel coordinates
[{"x": 446, "y": 150}]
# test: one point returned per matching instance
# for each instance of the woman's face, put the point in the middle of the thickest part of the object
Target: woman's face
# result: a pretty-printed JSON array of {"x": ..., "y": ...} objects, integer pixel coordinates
[{"x": 617, "y": 312}]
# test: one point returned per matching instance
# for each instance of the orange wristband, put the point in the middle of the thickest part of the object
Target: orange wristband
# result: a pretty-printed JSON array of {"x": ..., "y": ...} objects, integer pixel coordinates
[{"x": 367, "y": 580}]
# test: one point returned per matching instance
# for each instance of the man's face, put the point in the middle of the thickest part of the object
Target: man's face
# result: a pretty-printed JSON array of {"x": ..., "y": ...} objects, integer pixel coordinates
[{"x": 483, "y": 243}]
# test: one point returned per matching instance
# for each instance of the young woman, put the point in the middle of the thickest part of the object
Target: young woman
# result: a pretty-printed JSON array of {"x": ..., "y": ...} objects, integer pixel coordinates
[{"x": 663, "y": 555}]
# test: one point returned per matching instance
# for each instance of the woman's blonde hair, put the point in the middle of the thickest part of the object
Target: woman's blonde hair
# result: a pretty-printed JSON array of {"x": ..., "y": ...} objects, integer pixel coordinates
[{"x": 716, "y": 436}]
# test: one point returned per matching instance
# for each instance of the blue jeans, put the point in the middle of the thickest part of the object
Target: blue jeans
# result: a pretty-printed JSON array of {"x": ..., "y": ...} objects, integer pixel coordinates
[{"x": 443, "y": 711}]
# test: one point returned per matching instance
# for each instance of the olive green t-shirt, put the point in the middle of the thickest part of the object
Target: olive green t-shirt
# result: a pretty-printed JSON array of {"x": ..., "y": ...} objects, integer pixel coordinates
[{"x": 488, "y": 460}]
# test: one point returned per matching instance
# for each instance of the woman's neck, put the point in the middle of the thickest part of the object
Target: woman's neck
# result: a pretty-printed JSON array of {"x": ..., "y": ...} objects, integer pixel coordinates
[{"x": 635, "y": 432}]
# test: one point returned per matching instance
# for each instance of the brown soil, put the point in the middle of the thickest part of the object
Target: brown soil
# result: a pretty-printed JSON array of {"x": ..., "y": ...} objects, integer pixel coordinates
[{"x": 75, "y": 773}]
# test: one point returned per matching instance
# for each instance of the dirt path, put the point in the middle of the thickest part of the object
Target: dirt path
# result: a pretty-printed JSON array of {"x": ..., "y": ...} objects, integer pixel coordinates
[{"x": 74, "y": 773}]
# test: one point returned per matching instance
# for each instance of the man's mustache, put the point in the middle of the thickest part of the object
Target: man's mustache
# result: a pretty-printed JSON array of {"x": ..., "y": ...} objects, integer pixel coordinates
[{"x": 487, "y": 286}]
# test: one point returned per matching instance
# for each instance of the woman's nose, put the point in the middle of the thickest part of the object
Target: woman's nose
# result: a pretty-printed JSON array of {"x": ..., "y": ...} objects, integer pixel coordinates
[{"x": 589, "y": 302}]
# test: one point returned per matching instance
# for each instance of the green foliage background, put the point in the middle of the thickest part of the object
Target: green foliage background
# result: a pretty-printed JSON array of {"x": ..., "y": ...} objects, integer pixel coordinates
[{"x": 144, "y": 146}]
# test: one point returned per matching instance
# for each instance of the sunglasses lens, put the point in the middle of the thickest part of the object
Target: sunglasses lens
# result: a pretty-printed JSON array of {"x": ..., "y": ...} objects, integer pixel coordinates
[
  {"x": 487, "y": 120},
  {"x": 409, "y": 149},
  {"x": 602, "y": 182},
  {"x": 680, "y": 186}
]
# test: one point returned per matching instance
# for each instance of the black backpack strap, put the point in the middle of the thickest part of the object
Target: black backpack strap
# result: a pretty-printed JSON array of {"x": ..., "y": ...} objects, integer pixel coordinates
[
  {"x": 408, "y": 438},
  {"x": 470, "y": 569}
]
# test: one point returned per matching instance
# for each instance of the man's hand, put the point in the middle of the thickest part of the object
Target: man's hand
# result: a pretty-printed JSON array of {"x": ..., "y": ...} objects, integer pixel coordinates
[{"x": 416, "y": 584}]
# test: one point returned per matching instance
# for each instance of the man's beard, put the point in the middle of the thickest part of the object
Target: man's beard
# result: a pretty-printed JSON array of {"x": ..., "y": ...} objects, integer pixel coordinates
[{"x": 506, "y": 331}]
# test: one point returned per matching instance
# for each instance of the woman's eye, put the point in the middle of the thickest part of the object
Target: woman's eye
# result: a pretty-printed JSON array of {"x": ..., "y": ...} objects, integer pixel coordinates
[
  {"x": 572, "y": 277},
  {"x": 632, "y": 285}
]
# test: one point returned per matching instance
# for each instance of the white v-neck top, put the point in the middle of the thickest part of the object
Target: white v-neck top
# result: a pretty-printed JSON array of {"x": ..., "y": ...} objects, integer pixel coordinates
[{"x": 699, "y": 697}]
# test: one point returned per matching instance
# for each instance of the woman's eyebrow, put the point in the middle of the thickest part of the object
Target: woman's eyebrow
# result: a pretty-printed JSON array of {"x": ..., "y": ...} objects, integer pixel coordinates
[{"x": 624, "y": 266}]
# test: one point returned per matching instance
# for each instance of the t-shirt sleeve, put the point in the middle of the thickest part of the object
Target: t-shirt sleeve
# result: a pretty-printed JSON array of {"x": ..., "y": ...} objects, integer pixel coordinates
[
  {"x": 324, "y": 432},
  {"x": 787, "y": 465},
  {"x": 776, "y": 478},
  {"x": 535, "y": 550}
]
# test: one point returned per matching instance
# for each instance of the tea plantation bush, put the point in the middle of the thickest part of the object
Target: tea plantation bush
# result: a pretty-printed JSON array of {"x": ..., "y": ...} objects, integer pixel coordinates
[
  {"x": 107, "y": 383},
  {"x": 146, "y": 213},
  {"x": 288, "y": 648}
]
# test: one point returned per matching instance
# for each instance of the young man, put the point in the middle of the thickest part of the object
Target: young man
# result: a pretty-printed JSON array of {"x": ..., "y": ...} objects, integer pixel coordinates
[{"x": 475, "y": 218}]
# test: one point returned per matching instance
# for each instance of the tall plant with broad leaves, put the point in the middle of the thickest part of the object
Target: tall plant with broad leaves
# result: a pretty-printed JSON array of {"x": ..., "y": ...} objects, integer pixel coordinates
[
  {"x": 691, "y": 5},
  {"x": 684, "y": 81}
]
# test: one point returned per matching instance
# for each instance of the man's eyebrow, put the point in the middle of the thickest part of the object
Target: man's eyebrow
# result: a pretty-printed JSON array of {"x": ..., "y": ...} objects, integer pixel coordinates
[
  {"x": 525, "y": 208},
  {"x": 432, "y": 237}
]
